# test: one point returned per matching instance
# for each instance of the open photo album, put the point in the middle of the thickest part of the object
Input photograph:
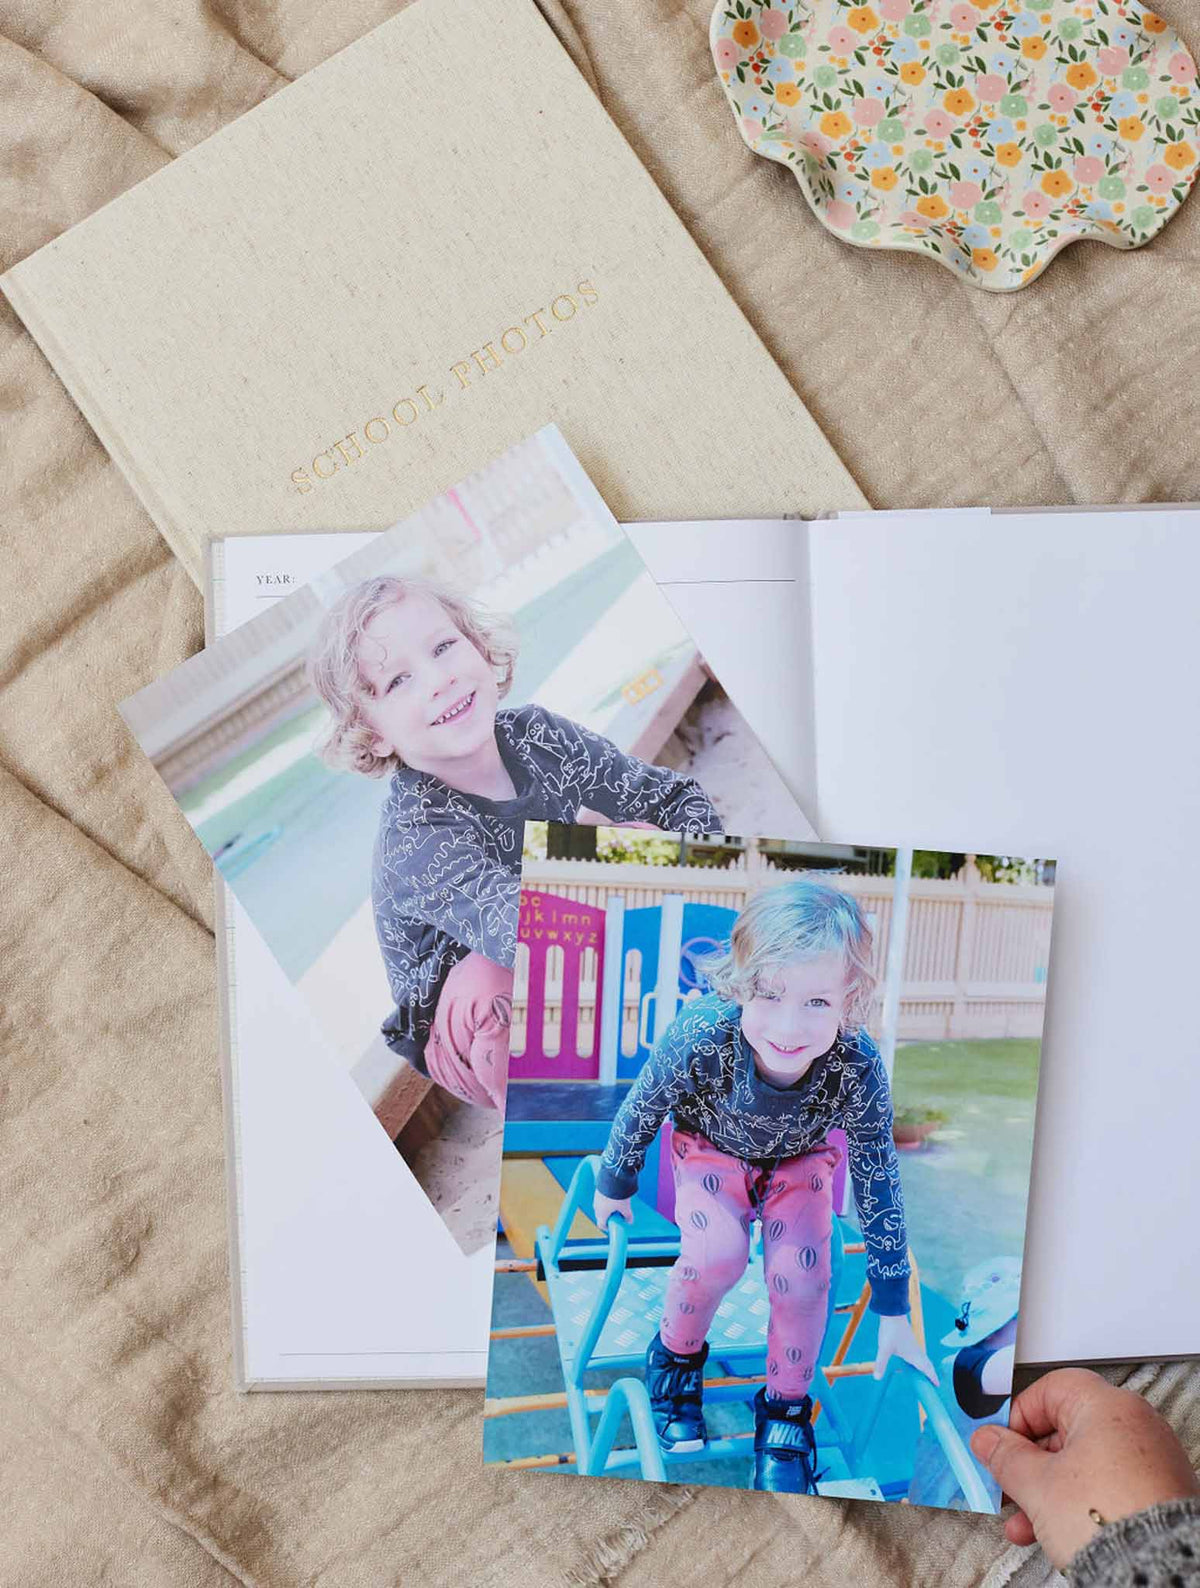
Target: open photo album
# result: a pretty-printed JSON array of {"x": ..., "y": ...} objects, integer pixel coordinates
[{"x": 1024, "y": 681}]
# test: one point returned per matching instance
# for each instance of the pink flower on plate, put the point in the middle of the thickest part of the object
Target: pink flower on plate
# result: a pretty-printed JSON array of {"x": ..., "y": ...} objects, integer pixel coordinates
[
  {"x": 938, "y": 123},
  {"x": 1160, "y": 179},
  {"x": 772, "y": 24},
  {"x": 1037, "y": 206},
  {"x": 965, "y": 19},
  {"x": 1088, "y": 170},
  {"x": 990, "y": 88},
  {"x": 868, "y": 112},
  {"x": 727, "y": 53},
  {"x": 1113, "y": 61},
  {"x": 841, "y": 215},
  {"x": 1062, "y": 98},
  {"x": 1182, "y": 67},
  {"x": 816, "y": 143},
  {"x": 913, "y": 218},
  {"x": 895, "y": 10},
  {"x": 841, "y": 41},
  {"x": 752, "y": 128},
  {"x": 965, "y": 195}
]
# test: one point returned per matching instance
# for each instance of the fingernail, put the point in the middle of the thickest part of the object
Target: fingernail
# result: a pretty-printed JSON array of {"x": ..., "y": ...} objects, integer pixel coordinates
[{"x": 984, "y": 1441}]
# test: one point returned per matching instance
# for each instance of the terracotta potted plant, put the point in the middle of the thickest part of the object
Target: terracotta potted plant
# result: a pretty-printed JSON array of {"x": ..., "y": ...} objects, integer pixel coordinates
[{"x": 912, "y": 1125}]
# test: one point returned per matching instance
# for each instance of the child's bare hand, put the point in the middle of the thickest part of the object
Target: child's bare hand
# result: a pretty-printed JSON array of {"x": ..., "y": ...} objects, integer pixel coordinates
[
  {"x": 586, "y": 817},
  {"x": 604, "y": 1208},
  {"x": 896, "y": 1338},
  {"x": 1074, "y": 1444},
  {"x": 467, "y": 1051}
]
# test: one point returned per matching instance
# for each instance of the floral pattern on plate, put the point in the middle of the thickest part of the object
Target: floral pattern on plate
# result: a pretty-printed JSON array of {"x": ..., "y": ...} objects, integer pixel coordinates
[{"x": 989, "y": 135}]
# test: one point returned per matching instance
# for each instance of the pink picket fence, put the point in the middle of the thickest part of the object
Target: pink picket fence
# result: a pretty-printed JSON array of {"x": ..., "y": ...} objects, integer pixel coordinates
[{"x": 560, "y": 969}]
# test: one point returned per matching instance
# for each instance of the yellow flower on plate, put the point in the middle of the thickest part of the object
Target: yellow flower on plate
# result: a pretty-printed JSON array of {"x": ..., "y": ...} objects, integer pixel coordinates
[
  {"x": 912, "y": 72},
  {"x": 1009, "y": 154},
  {"x": 933, "y": 207},
  {"x": 834, "y": 124},
  {"x": 1057, "y": 183},
  {"x": 787, "y": 94},
  {"x": 1153, "y": 23},
  {"x": 1130, "y": 128},
  {"x": 1034, "y": 48},
  {"x": 958, "y": 102},
  {"x": 885, "y": 178},
  {"x": 862, "y": 19},
  {"x": 984, "y": 259},
  {"x": 1179, "y": 156},
  {"x": 745, "y": 34},
  {"x": 1081, "y": 75}
]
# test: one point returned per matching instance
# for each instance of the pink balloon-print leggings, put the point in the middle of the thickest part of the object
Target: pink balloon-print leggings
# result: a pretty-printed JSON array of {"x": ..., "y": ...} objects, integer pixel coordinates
[{"x": 717, "y": 1198}]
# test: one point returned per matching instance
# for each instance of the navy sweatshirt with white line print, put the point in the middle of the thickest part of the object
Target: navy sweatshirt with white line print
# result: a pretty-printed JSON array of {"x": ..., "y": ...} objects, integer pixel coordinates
[
  {"x": 703, "y": 1074},
  {"x": 446, "y": 876}
]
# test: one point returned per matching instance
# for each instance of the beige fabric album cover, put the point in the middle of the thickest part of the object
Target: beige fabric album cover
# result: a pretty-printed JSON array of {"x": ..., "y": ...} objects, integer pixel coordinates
[{"x": 390, "y": 271}]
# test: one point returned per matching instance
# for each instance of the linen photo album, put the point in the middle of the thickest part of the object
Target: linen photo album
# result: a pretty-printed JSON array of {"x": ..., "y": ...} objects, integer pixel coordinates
[{"x": 367, "y": 287}]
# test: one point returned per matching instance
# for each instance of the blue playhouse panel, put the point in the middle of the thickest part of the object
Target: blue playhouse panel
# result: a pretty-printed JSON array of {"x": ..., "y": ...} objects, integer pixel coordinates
[
  {"x": 640, "y": 933},
  {"x": 706, "y": 929}
]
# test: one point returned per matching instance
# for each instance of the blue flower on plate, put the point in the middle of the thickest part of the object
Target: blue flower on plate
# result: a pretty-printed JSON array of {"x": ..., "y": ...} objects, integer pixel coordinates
[
  {"x": 1098, "y": 210},
  {"x": 780, "y": 71},
  {"x": 1123, "y": 36},
  {"x": 905, "y": 49},
  {"x": 1025, "y": 26},
  {"x": 846, "y": 190},
  {"x": 1001, "y": 130},
  {"x": 755, "y": 107},
  {"x": 976, "y": 236},
  {"x": 1123, "y": 104},
  {"x": 877, "y": 156},
  {"x": 975, "y": 169},
  {"x": 1001, "y": 62}
]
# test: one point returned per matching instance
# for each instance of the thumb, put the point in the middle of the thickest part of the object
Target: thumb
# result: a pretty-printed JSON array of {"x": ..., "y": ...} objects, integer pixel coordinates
[{"x": 1017, "y": 1464}]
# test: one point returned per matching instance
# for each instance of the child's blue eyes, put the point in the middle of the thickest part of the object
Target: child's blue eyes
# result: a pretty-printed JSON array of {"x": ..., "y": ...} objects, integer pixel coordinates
[
  {"x": 816, "y": 1003},
  {"x": 438, "y": 650}
]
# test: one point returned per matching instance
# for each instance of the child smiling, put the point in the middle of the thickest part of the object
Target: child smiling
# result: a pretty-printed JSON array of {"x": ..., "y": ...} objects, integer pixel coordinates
[
  {"x": 413, "y": 674},
  {"x": 755, "y": 1074}
]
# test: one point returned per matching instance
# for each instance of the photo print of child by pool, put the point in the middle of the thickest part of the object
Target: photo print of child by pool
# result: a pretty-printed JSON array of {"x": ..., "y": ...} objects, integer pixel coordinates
[
  {"x": 766, "y": 1162},
  {"x": 360, "y": 760}
]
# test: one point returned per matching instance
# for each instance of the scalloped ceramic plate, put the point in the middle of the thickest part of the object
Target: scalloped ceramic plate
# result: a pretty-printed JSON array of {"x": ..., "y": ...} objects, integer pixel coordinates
[{"x": 988, "y": 136}]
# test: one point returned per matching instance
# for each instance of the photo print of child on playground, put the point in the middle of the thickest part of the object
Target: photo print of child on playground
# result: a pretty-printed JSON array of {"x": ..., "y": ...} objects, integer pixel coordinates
[
  {"x": 766, "y": 1162},
  {"x": 361, "y": 759}
]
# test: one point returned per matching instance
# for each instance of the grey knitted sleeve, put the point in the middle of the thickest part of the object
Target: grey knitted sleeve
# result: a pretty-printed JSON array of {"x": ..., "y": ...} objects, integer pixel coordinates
[{"x": 1155, "y": 1548}]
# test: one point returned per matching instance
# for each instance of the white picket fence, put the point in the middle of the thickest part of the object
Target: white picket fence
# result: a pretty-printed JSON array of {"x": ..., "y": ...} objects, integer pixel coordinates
[{"x": 976, "y": 954}]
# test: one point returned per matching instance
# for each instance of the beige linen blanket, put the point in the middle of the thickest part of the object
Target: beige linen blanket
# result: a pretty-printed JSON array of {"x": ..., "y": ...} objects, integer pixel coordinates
[{"x": 126, "y": 1456}]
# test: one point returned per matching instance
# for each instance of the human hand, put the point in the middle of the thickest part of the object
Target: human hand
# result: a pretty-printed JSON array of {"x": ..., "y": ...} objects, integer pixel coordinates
[
  {"x": 896, "y": 1338},
  {"x": 467, "y": 1051},
  {"x": 1076, "y": 1444},
  {"x": 604, "y": 1207},
  {"x": 586, "y": 817}
]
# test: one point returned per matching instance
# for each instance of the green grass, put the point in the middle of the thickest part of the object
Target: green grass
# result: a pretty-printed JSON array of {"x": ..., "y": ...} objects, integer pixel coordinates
[
  {"x": 965, "y": 1191},
  {"x": 941, "y": 1074}
]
